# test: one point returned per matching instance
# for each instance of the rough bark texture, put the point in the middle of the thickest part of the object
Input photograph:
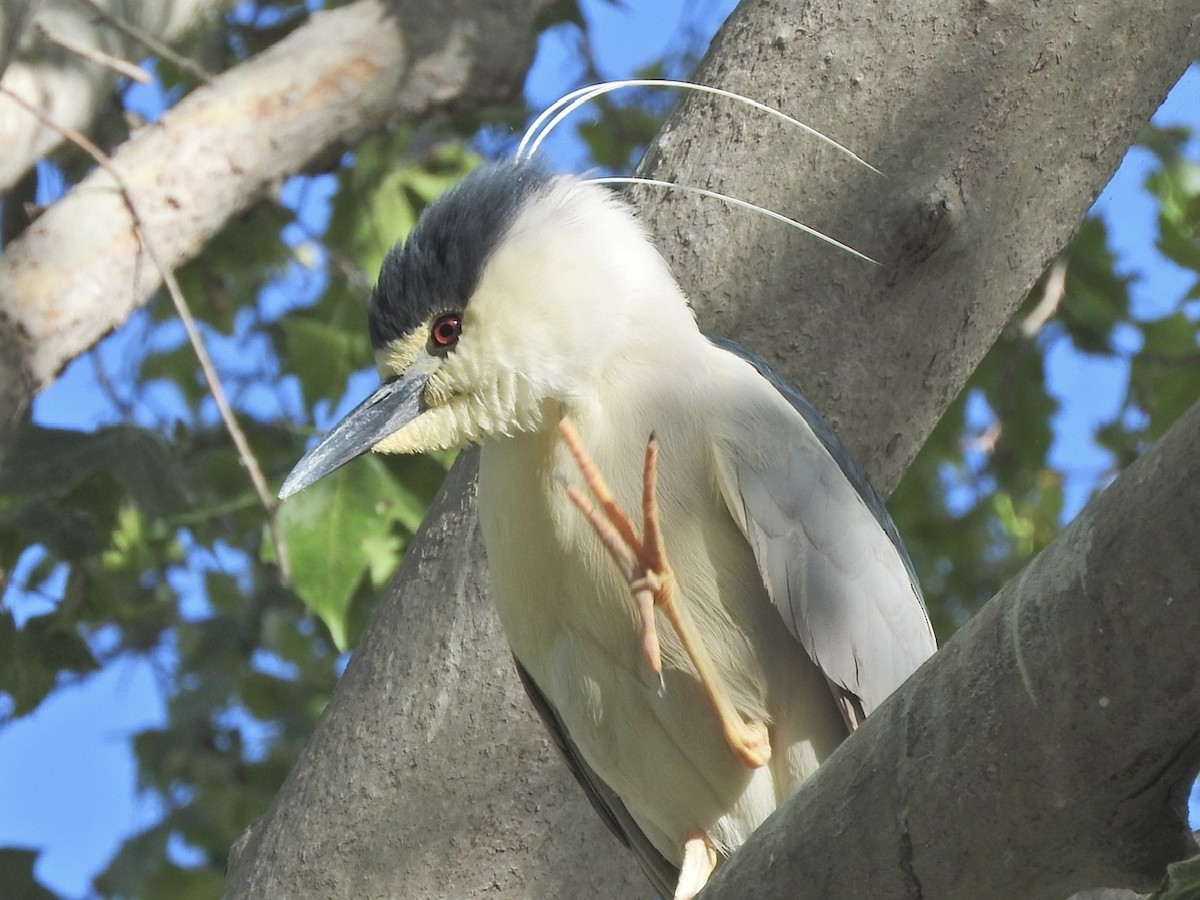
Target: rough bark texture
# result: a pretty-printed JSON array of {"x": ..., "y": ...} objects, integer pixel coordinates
[
  {"x": 1060, "y": 728},
  {"x": 79, "y": 270},
  {"x": 997, "y": 125}
]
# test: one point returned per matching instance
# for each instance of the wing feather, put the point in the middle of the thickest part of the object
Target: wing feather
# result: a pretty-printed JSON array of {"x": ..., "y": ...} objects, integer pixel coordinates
[{"x": 828, "y": 552}]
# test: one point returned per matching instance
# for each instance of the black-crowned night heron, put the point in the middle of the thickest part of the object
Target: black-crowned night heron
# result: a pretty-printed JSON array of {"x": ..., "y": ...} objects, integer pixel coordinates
[{"x": 693, "y": 674}]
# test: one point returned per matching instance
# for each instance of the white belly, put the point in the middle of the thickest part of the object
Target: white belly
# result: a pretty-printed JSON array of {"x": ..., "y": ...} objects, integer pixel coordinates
[{"x": 572, "y": 624}]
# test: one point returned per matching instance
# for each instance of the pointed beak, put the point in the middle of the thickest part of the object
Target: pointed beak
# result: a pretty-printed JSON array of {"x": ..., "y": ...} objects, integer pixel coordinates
[{"x": 385, "y": 412}]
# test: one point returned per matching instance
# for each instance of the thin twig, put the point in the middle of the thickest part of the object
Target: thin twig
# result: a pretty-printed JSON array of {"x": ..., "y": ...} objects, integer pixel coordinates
[
  {"x": 245, "y": 453},
  {"x": 151, "y": 43},
  {"x": 96, "y": 55}
]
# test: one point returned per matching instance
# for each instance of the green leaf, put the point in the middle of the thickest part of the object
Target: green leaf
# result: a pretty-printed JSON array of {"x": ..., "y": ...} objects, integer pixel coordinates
[
  {"x": 1173, "y": 335},
  {"x": 265, "y": 696},
  {"x": 179, "y": 368},
  {"x": 44, "y": 461},
  {"x": 1096, "y": 297},
  {"x": 381, "y": 551},
  {"x": 23, "y": 677},
  {"x": 279, "y": 635},
  {"x": 621, "y": 131},
  {"x": 139, "y": 858},
  {"x": 16, "y": 874},
  {"x": 1176, "y": 185},
  {"x": 1125, "y": 445},
  {"x": 223, "y": 592},
  {"x": 381, "y": 196},
  {"x": 1179, "y": 243},
  {"x": 1014, "y": 383},
  {"x": 67, "y": 527},
  {"x": 1165, "y": 143},
  {"x": 205, "y": 644},
  {"x": 1164, "y": 391},
  {"x": 560, "y": 12},
  {"x": 323, "y": 356},
  {"x": 184, "y": 884},
  {"x": 58, "y": 645},
  {"x": 32, "y": 657},
  {"x": 336, "y": 531},
  {"x": 235, "y": 266}
]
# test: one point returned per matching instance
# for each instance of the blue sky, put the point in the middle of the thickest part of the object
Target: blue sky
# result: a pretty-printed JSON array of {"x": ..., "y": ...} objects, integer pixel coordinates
[{"x": 67, "y": 776}]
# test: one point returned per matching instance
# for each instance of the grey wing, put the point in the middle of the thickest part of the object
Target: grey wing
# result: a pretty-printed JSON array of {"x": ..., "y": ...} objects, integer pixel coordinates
[
  {"x": 829, "y": 554},
  {"x": 662, "y": 874}
]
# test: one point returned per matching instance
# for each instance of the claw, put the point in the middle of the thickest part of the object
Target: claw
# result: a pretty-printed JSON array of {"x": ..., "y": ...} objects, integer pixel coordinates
[{"x": 613, "y": 539}]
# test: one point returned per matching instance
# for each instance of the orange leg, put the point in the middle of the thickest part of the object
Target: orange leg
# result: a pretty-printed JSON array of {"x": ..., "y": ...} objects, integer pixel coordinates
[{"x": 643, "y": 562}]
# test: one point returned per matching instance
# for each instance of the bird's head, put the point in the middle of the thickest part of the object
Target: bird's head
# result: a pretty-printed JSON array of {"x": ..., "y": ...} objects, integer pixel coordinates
[{"x": 514, "y": 294}]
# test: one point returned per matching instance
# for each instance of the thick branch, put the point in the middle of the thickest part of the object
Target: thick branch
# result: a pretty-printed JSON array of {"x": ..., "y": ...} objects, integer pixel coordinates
[
  {"x": 997, "y": 124},
  {"x": 1059, "y": 729},
  {"x": 427, "y": 764},
  {"x": 78, "y": 271}
]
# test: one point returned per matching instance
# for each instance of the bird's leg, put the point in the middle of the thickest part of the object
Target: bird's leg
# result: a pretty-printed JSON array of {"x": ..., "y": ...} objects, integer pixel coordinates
[
  {"x": 699, "y": 860},
  {"x": 618, "y": 536},
  {"x": 643, "y": 562}
]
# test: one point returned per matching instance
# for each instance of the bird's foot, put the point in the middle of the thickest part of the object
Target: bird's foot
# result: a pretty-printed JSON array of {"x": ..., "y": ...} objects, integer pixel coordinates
[
  {"x": 699, "y": 860},
  {"x": 643, "y": 562}
]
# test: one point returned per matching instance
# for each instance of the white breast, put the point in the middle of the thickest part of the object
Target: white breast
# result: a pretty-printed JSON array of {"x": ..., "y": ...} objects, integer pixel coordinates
[{"x": 571, "y": 622}]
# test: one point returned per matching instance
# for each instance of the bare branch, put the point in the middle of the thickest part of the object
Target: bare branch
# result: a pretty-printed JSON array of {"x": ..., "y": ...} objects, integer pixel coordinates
[
  {"x": 99, "y": 57},
  {"x": 149, "y": 41},
  {"x": 54, "y": 81}
]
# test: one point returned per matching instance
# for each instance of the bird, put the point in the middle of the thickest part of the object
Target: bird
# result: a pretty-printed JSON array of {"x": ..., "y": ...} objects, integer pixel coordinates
[{"x": 693, "y": 671}]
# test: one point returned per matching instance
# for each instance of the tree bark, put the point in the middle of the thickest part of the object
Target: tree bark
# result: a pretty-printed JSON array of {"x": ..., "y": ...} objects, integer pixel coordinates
[
  {"x": 1051, "y": 745},
  {"x": 79, "y": 270},
  {"x": 997, "y": 126},
  {"x": 48, "y": 73}
]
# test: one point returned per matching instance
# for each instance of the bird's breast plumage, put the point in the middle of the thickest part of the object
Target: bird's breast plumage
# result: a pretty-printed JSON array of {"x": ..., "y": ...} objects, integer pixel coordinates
[{"x": 575, "y": 629}]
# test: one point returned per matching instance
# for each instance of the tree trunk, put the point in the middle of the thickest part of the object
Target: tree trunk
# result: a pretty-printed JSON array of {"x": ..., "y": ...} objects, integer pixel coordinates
[{"x": 997, "y": 126}]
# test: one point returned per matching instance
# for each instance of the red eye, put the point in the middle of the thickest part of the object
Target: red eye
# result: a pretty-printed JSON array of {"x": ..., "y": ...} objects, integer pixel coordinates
[{"x": 446, "y": 330}]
